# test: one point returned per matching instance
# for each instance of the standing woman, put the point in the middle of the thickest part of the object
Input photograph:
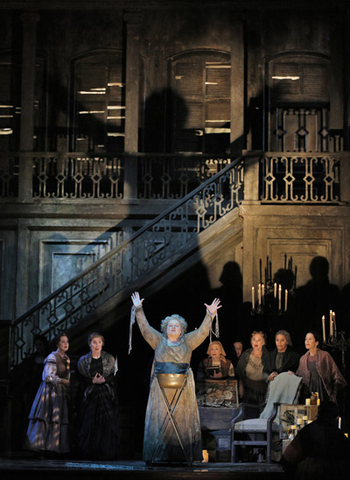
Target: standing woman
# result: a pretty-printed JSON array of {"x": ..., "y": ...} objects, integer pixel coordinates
[
  {"x": 98, "y": 431},
  {"x": 173, "y": 351},
  {"x": 283, "y": 358},
  {"x": 319, "y": 371},
  {"x": 253, "y": 369},
  {"x": 48, "y": 418}
]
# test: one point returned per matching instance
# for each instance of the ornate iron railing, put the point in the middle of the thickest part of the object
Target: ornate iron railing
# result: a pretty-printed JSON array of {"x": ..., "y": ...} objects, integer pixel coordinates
[
  {"x": 173, "y": 177},
  {"x": 156, "y": 242},
  {"x": 9, "y": 176},
  {"x": 74, "y": 176},
  {"x": 300, "y": 178}
]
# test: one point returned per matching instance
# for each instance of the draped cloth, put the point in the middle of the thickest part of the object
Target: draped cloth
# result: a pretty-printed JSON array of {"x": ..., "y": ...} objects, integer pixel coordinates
[
  {"x": 186, "y": 415},
  {"x": 49, "y": 416}
]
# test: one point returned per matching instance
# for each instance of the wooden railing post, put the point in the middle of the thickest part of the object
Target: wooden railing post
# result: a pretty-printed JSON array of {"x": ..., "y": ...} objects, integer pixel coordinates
[{"x": 251, "y": 177}]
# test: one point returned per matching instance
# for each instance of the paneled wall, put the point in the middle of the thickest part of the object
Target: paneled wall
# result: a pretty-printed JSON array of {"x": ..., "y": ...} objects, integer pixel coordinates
[{"x": 297, "y": 232}]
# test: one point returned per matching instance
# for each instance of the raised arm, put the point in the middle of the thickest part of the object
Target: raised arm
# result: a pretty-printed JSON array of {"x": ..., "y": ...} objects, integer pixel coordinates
[
  {"x": 196, "y": 337},
  {"x": 150, "y": 334}
]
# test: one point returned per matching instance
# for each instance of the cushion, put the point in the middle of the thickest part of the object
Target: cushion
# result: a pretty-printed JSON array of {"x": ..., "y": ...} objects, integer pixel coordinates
[{"x": 254, "y": 425}]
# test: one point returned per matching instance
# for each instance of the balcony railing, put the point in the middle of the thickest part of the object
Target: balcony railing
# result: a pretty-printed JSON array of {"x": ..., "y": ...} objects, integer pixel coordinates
[
  {"x": 74, "y": 176},
  {"x": 284, "y": 177},
  {"x": 300, "y": 178}
]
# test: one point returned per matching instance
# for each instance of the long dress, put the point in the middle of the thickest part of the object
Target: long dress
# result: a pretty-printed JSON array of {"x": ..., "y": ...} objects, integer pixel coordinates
[
  {"x": 49, "y": 416},
  {"x": 172, "y": 359},
  {"x": 98, "y": 430}
]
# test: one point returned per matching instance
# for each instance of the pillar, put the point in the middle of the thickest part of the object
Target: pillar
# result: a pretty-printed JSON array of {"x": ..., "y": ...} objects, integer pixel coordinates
[
  {"x": 27, "y": 105},
  {"x": 132, "y": 87}
]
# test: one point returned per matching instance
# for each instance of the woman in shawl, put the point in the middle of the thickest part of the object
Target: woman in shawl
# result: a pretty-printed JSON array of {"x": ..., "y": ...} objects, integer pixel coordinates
[
  {"x": 173, "y": 350},
  {"x": 216, "y": 366},
  {"x": 48, "y": 417},
  {"x": 98, "y": 431},
  {"x": 319, "y": 371}
]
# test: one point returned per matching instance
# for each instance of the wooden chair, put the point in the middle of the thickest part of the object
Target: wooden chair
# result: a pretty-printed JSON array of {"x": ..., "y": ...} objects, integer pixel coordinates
[{"x": 258, "y": 431}]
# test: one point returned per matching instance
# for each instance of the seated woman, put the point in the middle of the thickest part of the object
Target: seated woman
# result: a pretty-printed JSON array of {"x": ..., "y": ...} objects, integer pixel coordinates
[
  {"x": 319, "y": 371},
  {"x": 283, "y": 358},
  {"x": 216, "y": 366},
  {"x": 253, "y": 370}
]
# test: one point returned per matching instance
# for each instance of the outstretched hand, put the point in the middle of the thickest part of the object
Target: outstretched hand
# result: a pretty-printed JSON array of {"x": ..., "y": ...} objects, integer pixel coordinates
[
  {"x": 212, "y": 309},
  {"x": 135, "y": 297}
]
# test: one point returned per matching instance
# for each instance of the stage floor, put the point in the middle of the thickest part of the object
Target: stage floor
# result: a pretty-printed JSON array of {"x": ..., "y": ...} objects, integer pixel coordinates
[{"x": 16, "y": 468}]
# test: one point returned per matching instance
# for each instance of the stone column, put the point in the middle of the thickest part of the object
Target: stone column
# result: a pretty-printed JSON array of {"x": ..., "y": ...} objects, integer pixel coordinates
[
  {"x": 27, "y": 105},
  {"x": 237, "y": 139},
  {"x": 132, "y": 79}
]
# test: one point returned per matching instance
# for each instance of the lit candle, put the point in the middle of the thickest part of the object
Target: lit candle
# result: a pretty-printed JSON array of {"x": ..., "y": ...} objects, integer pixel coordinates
[
  {"x": 339, "y": 423},
  {"x": 279, "y": 297},
  {"x": 253, "y": 298},
  {"x": 285, "y": 299},
  {"x": 263, "y": 293},
  {"x": 307, "y": 401},
  {"x": 334, "y": 324},
  {"x": 324, "y": 327},
  {"x": 275, "y": 290},
  {"x": 259, "y": 293},
  {"x": 205, "y": 456},
  {"x": 330, "y": 322}
]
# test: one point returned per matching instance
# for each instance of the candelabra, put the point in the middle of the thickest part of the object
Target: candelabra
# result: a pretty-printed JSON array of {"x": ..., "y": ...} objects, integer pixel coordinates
[
  {"x": 339, "y": 341},
  {"x": 273, "y": 294}
]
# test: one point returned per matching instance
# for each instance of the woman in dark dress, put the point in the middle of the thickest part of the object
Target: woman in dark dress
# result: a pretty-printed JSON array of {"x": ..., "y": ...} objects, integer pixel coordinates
[
  {"x": 283, "y": 358},
  {"x": 98, "y": 431}
]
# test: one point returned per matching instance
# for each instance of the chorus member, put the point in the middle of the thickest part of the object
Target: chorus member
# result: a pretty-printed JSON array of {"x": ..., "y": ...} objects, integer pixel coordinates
[
  {"x": 283, "y": 358},
  {"x": 253, "y": 370},
  {"x": 98, "y": 417},
  {"x": 319, "y": 371},
  {"x": 172, "y": 355},
  {"x": 216, "y": 366},
  {"x": 48, "y": 418}
]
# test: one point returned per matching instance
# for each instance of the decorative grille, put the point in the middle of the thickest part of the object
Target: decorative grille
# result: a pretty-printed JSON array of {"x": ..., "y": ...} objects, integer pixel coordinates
[{"x": 300, "y": 178}]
